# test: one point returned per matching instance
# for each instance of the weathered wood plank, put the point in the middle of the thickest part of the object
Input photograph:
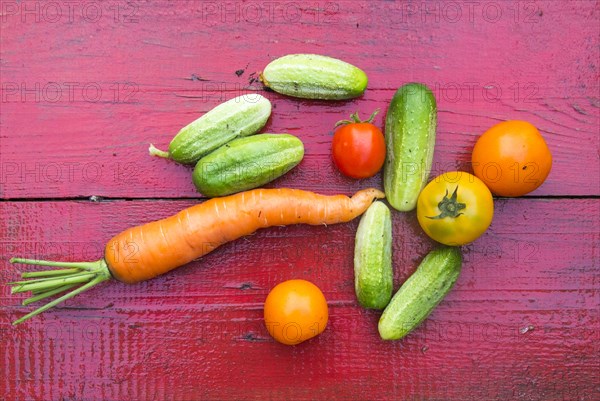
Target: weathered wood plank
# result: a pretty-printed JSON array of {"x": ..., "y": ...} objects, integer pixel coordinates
[
  {"x": 88, "y": 101},
  {"x": 522, "y": 322},
  {"x": 86, "y": 86}
]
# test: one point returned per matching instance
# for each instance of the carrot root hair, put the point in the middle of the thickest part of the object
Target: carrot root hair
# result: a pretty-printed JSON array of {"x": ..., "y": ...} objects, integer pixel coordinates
[{"x": 46, "y": 283}]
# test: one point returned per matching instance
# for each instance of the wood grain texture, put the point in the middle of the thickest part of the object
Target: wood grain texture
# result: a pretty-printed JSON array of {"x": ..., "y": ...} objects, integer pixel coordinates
[
  {"x": 89, "y": 96},
  {"x": 521, "y": 323},
  {"x": 85, "y": 86}
]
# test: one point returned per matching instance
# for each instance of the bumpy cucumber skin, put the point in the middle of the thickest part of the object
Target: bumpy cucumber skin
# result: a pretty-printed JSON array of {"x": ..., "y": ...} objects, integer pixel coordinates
[
  {"x": 421, "y": 293},
  {"x": 247, "y": 163},
  {"x": 312, "y": 76},
  {"x": 373, "y": 275},
  {"x": 410, "y": 126},
  {"x": 237, "y": 117}
]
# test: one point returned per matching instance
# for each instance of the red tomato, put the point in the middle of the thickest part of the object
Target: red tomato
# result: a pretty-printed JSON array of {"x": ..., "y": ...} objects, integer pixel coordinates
[{"x": 358, "y": 148}]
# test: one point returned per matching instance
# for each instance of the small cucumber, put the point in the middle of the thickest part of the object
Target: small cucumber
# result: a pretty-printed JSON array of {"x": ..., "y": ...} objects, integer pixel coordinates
[
  {"x": 237, "y": 117},
  {"x": 410, "y": 126},
  {"x": 373, "y": 276},
  {"x": 311, "y": 76},
  {"x": 421, "y": 293},
  {"x": 247, "y": 163}
]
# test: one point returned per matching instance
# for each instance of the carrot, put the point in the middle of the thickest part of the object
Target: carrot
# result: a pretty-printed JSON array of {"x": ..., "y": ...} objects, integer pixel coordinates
[{"x": 147, "y": 251}]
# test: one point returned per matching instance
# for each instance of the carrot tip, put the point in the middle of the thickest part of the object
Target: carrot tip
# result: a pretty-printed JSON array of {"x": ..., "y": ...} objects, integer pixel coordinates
[{"x": 376, "y": 193}]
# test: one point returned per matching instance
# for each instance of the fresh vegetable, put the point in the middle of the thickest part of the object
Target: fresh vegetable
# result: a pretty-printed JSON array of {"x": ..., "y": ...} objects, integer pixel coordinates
[
  {"x": 512, "y": 158},
  {"x": 237, "y": 117},
  {"x": 144, "y": 252},
  {"x": 247, "y": 163},
  {"x": 358, "y": 147},
  {"x": 311, "y": 76},
  {"x": 421, "y": 293},
  {"x": 455, "y": 208},
  {"x": 295, "y": 311},
  {"x": 410, "y": 137},
  {"x": 373, "y": 276}
]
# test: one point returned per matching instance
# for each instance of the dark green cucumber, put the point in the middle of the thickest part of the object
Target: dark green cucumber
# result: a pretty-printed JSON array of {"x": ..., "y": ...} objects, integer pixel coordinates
[
  {"x": 410, "y": 126},
  {"x": 237, "y": 117},
  {"x": 373, "y": 276},
  {"x": 247, "y": 163},
  {"x": 311, "y": 76},
  {"x": 421, "y": 293}
]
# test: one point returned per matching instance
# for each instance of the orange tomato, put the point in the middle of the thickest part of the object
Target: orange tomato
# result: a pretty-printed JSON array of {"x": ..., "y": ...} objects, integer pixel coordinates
[
  {"x": 295, "y": 310},
  {"x": 512, "y": 158}
]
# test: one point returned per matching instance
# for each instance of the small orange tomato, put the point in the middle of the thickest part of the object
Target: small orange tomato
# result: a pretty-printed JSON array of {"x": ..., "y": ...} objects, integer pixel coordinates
[
  {"x": 512, "y": 158},
  {"x": 295, "y": 310}
]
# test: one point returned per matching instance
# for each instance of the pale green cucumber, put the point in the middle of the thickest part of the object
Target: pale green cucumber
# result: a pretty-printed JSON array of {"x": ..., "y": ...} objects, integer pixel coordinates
[
  {"x": 410, "y": 126},
  {"x": 373, "y": 276},
  {"x": 237, "y": 117},
  {"x": 421, "y": 293},
  {"x": 247, "y": 163},
  {"x": 311, "y": 76}
]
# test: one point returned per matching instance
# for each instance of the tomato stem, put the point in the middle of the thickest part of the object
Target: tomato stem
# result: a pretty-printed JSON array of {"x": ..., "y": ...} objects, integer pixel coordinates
[
  {"x": 372, "y": 116},
  {"x": 449, "y": 207},
  {"x": 355, "y": 119}
]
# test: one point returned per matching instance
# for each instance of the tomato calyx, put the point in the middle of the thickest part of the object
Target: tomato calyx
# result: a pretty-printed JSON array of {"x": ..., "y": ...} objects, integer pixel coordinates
[
  {"x": 450, "y": 207},
  {"x": 355, "y": 119}
]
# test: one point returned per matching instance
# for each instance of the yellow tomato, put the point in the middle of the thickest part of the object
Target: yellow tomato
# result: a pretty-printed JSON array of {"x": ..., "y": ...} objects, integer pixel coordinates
[{"x": 455, "y": 208}]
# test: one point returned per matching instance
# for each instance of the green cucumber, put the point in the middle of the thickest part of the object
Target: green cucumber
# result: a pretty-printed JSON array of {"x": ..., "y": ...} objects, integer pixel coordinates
[
  {"x": 311, "y": 76},
  {"x": 421, "y": 293},
  {"x": 373, "y": 276},
  {"x": 247, "y": 163},
  {"x": 237, "y": 117},
  {"x": 410, "y": 126}
]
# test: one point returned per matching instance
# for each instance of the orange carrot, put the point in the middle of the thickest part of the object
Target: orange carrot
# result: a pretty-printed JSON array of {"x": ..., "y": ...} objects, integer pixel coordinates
[{"x": 146, "y": 251}]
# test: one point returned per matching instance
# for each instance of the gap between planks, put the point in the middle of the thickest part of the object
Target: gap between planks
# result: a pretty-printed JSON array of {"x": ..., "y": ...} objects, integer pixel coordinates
[{"x": 100, "y": 199}]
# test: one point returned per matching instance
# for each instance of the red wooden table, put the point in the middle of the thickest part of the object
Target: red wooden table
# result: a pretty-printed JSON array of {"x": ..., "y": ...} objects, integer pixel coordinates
[{"x": 87, "y": 85}]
